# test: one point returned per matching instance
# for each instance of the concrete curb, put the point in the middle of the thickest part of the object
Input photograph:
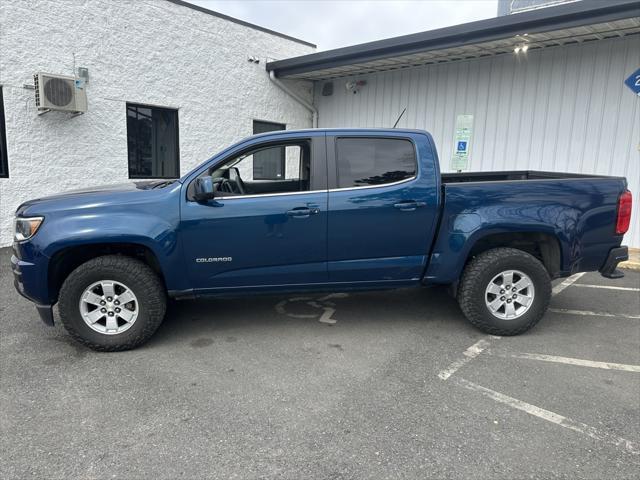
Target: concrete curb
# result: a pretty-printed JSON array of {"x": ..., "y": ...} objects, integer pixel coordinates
[{"x": 634, "y": 260}]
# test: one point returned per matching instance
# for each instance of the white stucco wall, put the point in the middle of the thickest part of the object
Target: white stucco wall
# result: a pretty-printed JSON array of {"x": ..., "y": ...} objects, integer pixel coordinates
[{"x": 144, "y": 51}]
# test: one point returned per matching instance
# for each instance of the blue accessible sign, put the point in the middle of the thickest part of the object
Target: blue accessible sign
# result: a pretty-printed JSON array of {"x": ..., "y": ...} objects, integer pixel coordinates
[{"x": 633, "y": 82}]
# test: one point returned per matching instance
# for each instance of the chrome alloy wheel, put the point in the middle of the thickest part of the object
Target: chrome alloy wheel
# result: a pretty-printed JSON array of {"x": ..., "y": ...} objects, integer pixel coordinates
[
  {"x": 509, "y": 294},
  {"x": 109, "y": 307}
]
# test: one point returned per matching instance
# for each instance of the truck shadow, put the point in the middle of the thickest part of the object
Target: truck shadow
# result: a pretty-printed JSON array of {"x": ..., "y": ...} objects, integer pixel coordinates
[{"x": 200, "y": 320}]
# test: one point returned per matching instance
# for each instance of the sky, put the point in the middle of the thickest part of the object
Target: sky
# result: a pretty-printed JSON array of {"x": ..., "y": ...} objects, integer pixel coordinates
[{"x": 340, "y": 23}]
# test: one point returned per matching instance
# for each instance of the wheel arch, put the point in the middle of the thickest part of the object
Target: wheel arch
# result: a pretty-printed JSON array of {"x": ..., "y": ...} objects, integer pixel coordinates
[
  {"x": 64, "y": 261},
  {"x": 455, "y": 251},
  {"x": 542, "y": 245}
]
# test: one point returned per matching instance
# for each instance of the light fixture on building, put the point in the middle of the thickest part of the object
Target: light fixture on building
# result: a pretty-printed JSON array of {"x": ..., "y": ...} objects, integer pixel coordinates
[
  {"x": 521, "y": 48},
  {"x": 355, "y": 86}
]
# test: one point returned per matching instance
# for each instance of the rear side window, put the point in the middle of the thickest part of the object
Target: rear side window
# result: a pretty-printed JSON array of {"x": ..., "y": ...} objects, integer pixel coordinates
[{"x": 374, "y": 161}]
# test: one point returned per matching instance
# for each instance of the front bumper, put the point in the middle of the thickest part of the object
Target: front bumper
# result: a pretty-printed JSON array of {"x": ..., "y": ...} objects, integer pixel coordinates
[
  {"x": 616, "y": 255},
  {"x": 28, "y": 281}
]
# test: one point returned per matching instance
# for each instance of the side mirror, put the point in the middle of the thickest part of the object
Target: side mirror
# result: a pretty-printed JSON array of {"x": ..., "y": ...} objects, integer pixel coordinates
[{"x": 203, "y": 188}]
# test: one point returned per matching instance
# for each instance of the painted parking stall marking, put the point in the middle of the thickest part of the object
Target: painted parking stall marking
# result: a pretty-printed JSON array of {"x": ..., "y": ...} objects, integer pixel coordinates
[
  {"x": 477, "y": 348},
  {"x": 592, "y": 314},
  {"x": 607, "y": 287},
  {"x": 576, "y": 361},
  {"x": 566, "y": 283},
  {"x": 561, "y": 420},
  {"x": 469, "y": 354},
  {"x": 482, "y": 346}
]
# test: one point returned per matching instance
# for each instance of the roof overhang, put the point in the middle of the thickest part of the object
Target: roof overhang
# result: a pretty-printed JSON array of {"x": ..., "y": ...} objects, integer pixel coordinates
[
  {"x": 198, "y": 8},
  {"x": 576, "y": 22}
]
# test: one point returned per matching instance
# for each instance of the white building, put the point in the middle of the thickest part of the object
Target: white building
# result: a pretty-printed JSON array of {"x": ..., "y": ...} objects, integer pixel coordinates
[
  {"x": 558, "y": 104},
  {"x": 190, "y": 62}
]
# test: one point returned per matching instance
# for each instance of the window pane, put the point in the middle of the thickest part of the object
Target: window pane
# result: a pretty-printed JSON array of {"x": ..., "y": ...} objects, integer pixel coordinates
[
  {"x": 374, "y": 161},
  {"x": 236, "y": 176},
  {"x": 4, "y": 164},
  {"x": 152, "y": 136},
  {"x": 269, "y": 164}
]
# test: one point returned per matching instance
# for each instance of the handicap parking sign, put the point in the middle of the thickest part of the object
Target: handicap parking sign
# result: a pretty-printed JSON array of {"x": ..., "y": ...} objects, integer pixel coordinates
[{"x": 462, "y": 147}]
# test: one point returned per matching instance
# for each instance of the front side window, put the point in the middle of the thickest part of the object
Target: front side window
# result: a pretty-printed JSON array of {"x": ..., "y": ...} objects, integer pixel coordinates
[
  {"x": 374, "y": 161},
  {"x": 152, "y": 140},
  {"x": 269, "y": 164},
  {"x": 236, "y": 176},
  {"x": 4, "y": 164}
]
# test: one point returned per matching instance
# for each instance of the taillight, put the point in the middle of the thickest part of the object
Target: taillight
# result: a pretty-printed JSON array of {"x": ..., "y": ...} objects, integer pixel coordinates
[{"x": 624, "y": 212}]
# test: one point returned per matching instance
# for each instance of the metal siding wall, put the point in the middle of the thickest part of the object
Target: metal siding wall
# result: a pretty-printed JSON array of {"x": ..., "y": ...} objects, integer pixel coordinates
[{"x": 558, "y": 109}]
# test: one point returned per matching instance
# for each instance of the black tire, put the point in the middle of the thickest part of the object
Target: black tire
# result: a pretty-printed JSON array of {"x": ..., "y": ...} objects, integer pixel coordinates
[
  {"x": 482, "y": 269},
  {"x": 139, "y": 277}
]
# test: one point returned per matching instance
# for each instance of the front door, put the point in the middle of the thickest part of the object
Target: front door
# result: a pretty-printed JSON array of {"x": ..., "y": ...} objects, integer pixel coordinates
[
  {"x": 261, "y": 233},
  {"x": 383, "y": 206}
]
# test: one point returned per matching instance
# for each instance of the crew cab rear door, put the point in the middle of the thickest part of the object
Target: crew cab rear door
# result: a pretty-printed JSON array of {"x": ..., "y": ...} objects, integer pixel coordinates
[
  {"x": 260, "y": 233},
  {"x": 383, "y": 206}
]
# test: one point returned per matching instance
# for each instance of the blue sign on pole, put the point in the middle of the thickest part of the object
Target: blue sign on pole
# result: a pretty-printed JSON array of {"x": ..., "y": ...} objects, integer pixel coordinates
[{"x": 633, "y": 82}]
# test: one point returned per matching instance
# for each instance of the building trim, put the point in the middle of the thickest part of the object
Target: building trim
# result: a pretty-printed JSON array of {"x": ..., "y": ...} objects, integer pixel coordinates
[
  {"x": 240, "y": 22},
  {"x": 575, "y": 14}
]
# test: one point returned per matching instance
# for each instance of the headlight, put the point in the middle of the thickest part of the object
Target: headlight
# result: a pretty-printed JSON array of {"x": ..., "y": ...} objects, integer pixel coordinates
[{"x": 26, "y": 227}]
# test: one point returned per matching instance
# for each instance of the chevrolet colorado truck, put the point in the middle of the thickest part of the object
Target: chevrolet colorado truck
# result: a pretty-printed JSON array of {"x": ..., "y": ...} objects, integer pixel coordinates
[{"x": 315, "y": 210}]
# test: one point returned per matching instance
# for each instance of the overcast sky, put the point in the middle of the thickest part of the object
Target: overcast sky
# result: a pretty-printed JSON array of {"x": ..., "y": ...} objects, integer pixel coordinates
[{"x": 334, "y": 23}]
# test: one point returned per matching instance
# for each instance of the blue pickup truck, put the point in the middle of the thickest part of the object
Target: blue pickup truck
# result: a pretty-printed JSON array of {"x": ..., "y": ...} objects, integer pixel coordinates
[{"x": 315, "y": 210}]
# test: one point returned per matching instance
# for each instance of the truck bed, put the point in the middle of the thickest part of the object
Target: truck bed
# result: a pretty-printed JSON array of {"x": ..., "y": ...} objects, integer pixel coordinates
[
  {"x": 577, "y": 212},
  {"x": 510, "y": 176}
]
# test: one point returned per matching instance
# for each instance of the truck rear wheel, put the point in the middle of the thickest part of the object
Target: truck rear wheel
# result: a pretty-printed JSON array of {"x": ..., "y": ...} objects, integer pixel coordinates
[
  {"x": 504, "y": 291},
  {"x": 112, "y": 303}
]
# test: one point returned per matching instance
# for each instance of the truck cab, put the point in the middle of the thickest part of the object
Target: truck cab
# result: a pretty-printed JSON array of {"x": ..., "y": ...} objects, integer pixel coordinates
[{"x": 325, "y": 221}]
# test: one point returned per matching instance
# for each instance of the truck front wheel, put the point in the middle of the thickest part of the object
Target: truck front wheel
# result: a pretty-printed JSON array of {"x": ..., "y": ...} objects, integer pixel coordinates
[
  {"x": 504, "y": 291},
  {"x": 112, "y": 303}
]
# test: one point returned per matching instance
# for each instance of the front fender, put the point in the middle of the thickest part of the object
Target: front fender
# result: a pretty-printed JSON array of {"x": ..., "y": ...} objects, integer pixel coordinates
[
  {"x": 118, "y": 225},
  {"x": 157, "y": 234}
]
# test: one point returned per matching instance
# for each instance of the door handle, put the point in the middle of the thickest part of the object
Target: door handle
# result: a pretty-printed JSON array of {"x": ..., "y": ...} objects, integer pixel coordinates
[
  {"x": 408, "y": 205},
  {"x": 300, "y": 212}
]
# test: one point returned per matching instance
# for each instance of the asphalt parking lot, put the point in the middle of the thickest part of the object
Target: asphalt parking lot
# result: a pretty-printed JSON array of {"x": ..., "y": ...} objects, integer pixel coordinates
[{"x": 366, "y": 385}]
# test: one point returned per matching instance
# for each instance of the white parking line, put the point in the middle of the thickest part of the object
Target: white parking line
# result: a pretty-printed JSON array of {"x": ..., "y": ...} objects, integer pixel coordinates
[
  {"x": 577, "y": 361},
  {"x": 627, "y": 445},
  {"x": 594, "y": 314},
  {"x": 569, "y": 281},
  {"x": 607, "y": 287},
  {"x": 469, "y": 354}
]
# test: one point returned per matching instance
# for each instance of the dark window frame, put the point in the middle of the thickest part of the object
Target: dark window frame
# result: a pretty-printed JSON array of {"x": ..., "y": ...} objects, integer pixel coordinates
[
  {"x": 177, "y": 134},
  {"x": 336, "y": 160},
  {"x": 4, "y": 160},
  {"x": 283, "y": 165}
]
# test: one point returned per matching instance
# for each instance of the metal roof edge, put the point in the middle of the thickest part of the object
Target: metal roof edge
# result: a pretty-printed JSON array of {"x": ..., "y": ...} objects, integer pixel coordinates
[
  {"x": 240, "y": 22},
  {"x": 556, "y": 17}
]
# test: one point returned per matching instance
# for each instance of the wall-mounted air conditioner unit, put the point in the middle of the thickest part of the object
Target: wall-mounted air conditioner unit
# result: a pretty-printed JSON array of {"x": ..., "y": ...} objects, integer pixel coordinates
[{"x": 58, "y": 92}]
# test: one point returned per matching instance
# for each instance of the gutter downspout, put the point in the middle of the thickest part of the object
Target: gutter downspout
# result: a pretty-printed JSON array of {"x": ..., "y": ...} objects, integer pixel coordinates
[{"x": 297, "y": 98}]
